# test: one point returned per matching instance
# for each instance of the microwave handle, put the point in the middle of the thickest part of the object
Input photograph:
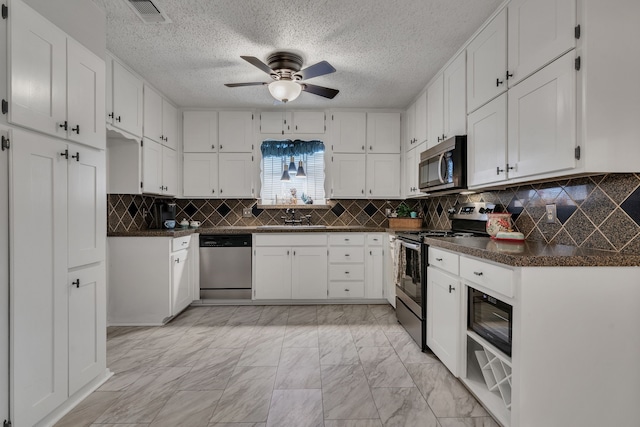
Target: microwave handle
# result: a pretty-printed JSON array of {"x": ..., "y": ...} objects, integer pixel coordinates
[
  {"x": 440, "y": 177},
  {"x": 415, "y": 247}
]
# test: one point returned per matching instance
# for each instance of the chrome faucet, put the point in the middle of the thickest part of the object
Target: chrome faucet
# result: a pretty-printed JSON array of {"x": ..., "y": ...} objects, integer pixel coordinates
[{"x": 292, "y": 220}]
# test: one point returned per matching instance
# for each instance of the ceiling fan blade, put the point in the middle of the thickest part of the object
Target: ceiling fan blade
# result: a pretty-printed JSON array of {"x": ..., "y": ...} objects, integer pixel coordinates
[
  {"x": 315, "y": 70},
  {"x": 257, "y": 63},
  {"x": 245, "y": 84},
  {"x": 319, "y": 90}
]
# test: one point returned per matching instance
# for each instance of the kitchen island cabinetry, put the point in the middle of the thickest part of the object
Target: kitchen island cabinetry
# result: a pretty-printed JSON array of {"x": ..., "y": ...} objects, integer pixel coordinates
[{"x": 154, "y": 285}]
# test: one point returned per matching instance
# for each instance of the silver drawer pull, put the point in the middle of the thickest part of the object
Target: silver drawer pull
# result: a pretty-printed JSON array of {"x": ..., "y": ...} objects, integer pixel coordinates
[
  {"x": 478, "y": 273},
  {"x": 438, "y": 259}
]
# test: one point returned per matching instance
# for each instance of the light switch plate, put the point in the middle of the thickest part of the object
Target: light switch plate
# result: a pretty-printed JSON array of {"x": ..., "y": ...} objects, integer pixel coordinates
[
  {"x": 246, "y": 213},
  {"x": 550, "y": 214}
]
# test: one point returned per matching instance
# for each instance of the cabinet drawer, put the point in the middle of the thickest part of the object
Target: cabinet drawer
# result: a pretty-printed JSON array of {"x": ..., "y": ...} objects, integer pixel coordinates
[
  {"x": 493, "y": 277},
  {"x": 180, "y": 243},
  {"x": 375, "y": 239},
  {"x": 351, "y": 239},
  {"x": 346, "y": 272},
  {"x": 290, "y": 239},
  {"x": 346, "y": 254},
  {"x": 346, "y": 289},
  {"x": 444, "y": 260}
]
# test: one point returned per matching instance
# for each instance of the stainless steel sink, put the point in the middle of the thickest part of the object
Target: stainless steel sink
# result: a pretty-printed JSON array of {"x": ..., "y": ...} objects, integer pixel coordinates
[{"x": 289, "y": 227}]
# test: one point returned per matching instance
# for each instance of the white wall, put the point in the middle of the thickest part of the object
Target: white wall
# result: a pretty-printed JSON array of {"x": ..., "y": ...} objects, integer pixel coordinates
[{"x": 81, "y": 19}]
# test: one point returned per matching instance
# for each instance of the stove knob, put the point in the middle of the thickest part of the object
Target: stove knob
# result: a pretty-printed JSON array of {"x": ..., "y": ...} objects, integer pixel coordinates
[{"x": 482, "y": 210}]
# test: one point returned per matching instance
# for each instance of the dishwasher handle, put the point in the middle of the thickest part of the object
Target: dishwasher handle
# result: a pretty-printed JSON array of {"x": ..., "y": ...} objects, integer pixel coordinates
[{"x": 225, "y": 241}]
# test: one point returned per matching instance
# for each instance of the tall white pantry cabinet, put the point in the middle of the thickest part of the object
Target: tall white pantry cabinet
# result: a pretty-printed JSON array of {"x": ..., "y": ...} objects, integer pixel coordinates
[{"x": 57, "y": 219}]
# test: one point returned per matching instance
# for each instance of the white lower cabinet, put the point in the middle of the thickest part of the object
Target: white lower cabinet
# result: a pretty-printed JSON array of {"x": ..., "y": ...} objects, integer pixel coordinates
[
  {"x": 290, "y": 266},
  {"x": 443, "y": 317},
  {"x": 374, "y": 266},
  {"x": 149, "y": 279},
  {"x": 346, "y": 265},
  {"x": 57, "y": 321}
]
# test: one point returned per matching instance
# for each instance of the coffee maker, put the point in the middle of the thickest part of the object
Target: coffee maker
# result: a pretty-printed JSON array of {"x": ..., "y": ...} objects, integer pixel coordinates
[{"x": 160, "y": 212}]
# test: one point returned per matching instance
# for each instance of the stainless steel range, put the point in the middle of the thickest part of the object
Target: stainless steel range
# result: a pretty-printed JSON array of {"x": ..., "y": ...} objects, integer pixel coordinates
[{"x": 467, "y": 220}]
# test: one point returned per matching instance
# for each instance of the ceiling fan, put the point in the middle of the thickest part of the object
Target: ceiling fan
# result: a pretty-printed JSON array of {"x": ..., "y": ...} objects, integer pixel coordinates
[{"x": 285, "y": 70}]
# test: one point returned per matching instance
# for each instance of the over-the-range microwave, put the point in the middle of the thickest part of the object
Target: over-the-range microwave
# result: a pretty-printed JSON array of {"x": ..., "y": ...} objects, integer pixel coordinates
[{"x": 443, "y": 167}]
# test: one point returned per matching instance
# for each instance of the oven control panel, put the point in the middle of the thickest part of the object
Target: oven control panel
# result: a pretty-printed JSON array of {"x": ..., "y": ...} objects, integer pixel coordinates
[{"x": 473, "y": 211}]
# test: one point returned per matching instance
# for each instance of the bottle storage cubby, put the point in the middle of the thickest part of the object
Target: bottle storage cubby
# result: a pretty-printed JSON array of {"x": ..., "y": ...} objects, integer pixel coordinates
[{"x": 496, "y": 373}]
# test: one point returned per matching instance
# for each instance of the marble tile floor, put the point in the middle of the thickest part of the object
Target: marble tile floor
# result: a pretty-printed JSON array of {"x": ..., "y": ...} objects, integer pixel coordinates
[{"x": 275, "y": 366}]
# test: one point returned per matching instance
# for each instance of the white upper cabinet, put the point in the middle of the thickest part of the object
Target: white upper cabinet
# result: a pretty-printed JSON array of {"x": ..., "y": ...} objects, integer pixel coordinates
[
  {"x": 200, "y": 132},
  {"x": 235, "y": 132},
  {"x": 126, "y": 113},
  {"x": 348, "y": 132},
  {"x": 235, "y": 175},
  {"x": 410, "y": 125},
  {"x": 412, "y": 159},
  {"x": 159, "y": 169},
  {"x": 308, "y": 122},
  {"x": 85, "y": 96},
  {"x": 277, "y": 122},
  {"x": 435, "y": 111},
  {"x": 487, "y": 63},
  {"x": 539, "y": 32},
  {"x": 200, "y": 175},
  {"x": 487, "y": 143},
  {"x": 282, "y": 123},
  {"x": 56, "y": 85},
  {"x": 383, "y": 176},
  {"x": 160, "y": 119},
  {"x": 542, "y": 120},
  {"x": 348, "y": 175},
  {"x": 455, "y": 97},
  {"x": 383, "y": 133},
  {"x": 420, "y": 124},
  {"x": 169, "y": 171}
]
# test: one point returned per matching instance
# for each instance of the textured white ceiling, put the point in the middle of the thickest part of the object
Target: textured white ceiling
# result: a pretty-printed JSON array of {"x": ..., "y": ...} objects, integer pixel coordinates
[{"x": 384, "y": 51}]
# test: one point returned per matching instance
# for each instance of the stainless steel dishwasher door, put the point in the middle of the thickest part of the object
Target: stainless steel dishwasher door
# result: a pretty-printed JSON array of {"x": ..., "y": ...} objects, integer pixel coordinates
[{"x": 225, "y": 271}]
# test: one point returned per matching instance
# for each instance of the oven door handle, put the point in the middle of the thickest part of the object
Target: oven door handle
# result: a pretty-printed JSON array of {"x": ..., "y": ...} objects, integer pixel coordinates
[
  {"x": 440, "y": 177},
  {"x": 414, "y": 246}
]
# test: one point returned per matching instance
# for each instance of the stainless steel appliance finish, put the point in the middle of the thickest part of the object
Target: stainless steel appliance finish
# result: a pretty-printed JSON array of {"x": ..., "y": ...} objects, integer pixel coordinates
[
  {"x": 225, "y": 266},
  {"x": 443, "y": 167},
  {"x": 490, "y": 318}
]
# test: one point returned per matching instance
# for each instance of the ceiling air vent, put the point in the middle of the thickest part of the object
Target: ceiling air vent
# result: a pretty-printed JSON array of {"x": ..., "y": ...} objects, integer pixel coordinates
[{"x": 148, "y": 12}]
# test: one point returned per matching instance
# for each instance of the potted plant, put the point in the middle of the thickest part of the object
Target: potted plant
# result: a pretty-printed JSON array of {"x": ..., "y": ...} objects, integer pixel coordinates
[{"x": 405, "y": 219}]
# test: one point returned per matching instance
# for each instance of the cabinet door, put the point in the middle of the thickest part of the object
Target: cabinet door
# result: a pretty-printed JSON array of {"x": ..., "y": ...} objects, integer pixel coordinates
[
  {"x": 348, "y": 175},
  {"x": 487, "y": 63},
  {"x": 349, "y": 132},
  {"x": 274, "y": 122},
  {"x": 455, "y": 97},
  {"x": 86, "y": 206},
  {"x": 374, "y": 273},
  {"x": 169, "y": 172},
  {"x": 383, "y": 133},
  {"x": 420, "y": 132},
  {"x": 235, "y": 132},
  {"x": 169, "y": 125},
  {"x": 37, "y": 63},
  {"x": 87, "y": 325},
  {"x": 235, "y": 175},
  {"x": 443, "y": 317},
  {"x": 539, "y": 32},
  {"x": 85, "y": 96},
  {"x": 487, "y": 143},
  {"x": 151, "y": 167},
  {"x": 383, "y": 175},
  {"x": 308, "y": 122},
  {"x": 38, "y": 287},
  {"x": 309, "y": 272},
  {"x": 410, "y": 127},
  {"x": 108, "y": 113},
  {"x": 152, "y": 115},
  {"x": 200, "y": 175},
  {"x": 435, "y": 111},
  {"x": 410, "y": 173},
  {"x": 542, "y": 120},
  {"x": 200, "y": 131},
  {"x": 272, "y": 277},
  {"x": 127, "y": 100},
  {"x": 181, "y": 295}
]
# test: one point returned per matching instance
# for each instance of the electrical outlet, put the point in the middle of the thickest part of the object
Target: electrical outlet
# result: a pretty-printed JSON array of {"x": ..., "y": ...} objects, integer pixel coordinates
[
  {"x": 551, "y": 214},
  {"x": 246, "y": 213}
]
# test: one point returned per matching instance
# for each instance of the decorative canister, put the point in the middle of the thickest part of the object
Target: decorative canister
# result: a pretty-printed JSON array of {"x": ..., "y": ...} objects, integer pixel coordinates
[{"x": 498, "y": 222}]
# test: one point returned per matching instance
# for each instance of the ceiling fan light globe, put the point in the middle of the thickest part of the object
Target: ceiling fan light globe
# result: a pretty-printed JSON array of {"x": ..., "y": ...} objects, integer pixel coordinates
[{"x": 284, "y": 90}]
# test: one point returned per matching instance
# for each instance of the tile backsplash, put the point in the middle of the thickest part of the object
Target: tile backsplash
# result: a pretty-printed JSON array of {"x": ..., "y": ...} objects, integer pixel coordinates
[{"x": 600, "y": 211}]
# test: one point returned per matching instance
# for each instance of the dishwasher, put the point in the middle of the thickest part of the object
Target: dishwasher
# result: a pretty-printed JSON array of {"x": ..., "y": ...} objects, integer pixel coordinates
[{"x": 225, "y": 266}]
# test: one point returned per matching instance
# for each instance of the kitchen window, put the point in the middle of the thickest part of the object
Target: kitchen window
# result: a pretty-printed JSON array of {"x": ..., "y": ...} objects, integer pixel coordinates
[{"x": 307, "y": 157}]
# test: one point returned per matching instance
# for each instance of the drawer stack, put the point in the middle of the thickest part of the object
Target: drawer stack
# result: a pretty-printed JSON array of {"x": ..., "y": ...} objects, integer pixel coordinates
[{"x": 346, "y": 265}]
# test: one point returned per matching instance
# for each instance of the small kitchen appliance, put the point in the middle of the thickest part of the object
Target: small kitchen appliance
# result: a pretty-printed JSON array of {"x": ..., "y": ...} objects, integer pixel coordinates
[
  {"x": 443, "y": 167},
  {"x": 162, "y": 212}
]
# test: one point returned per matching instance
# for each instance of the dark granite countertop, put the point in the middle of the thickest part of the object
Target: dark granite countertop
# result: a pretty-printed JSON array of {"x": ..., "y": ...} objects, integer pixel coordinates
[
  {"x": 533, "y": 253},
  {"x": 179, "y": 232}
]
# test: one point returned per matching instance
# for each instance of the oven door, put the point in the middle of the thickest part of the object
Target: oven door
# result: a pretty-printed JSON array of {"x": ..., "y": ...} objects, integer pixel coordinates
[{"x": 409, "y": 281}]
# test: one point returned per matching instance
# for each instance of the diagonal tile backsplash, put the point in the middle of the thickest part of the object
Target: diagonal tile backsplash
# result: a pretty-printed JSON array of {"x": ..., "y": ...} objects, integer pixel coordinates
[{"x": 600, "y": 211}]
